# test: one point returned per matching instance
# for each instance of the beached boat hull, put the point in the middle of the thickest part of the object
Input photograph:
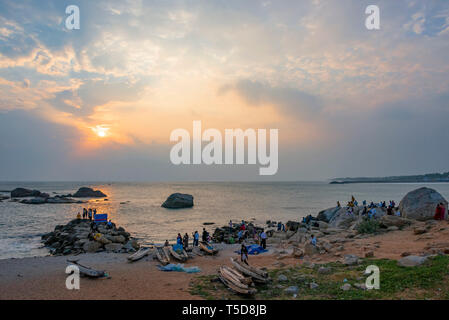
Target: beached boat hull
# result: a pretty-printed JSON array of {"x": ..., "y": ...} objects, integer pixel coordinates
[
  {"x": 139, "y": 254},
  {"x": 87, "y": 271},
  {"x": 206, "y": 247},
  {"x": 257, "y": 274},
  {"x": 178, "y": 256},
  {"x": 162, "y": 255},
  {"x": 229, "y": 280}
]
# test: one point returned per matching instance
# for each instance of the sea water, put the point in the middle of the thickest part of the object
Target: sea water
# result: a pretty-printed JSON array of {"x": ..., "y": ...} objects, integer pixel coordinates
[{"x": 137, "y": 207}]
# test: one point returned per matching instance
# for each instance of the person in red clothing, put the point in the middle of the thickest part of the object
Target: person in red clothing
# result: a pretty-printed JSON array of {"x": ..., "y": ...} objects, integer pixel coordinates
[
  {"x": 443, "y": 210},
  {"x": 438, "y": 212}
]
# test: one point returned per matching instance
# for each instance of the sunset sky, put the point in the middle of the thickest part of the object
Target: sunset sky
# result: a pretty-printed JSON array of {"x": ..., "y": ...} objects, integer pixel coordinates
[{"x": 100, "y": 103}]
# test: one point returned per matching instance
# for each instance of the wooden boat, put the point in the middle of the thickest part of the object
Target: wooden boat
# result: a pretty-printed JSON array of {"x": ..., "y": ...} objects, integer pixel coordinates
[
  {"x": 206, "y": 247},
  {"x": 237, "y": 275},
  {"x": 257, "y": 274},
  {"x": 178, "y": 256},
  {"x": 87, "y": 271},
  {"x": 162, "y": 255},
  {"x": 142, "y": 252},
  {"x": 231, "y": 282}
]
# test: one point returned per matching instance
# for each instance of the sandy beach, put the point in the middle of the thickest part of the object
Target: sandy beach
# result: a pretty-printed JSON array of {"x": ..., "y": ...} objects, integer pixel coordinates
[{"x": 44, "y": 277}]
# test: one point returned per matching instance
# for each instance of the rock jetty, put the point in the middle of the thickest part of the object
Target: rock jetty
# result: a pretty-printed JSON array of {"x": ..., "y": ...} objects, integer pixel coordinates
[{"x": 78, "y": 236}]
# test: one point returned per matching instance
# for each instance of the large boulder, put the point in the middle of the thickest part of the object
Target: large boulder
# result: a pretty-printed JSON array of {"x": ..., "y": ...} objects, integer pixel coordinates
[
  {"x": 328, "y": 214},
  {"x": 420, "y": 204},
  {"x": 92, "y": 246},
  {"x": 341, "y": 219},
  {"x": 85, "y": 192},
  {"x": 394, "y": 221},
  {"x": 178, "y": 200},
  {"x": 412, "y": 261},
  {"x": 22, "y": 193}
]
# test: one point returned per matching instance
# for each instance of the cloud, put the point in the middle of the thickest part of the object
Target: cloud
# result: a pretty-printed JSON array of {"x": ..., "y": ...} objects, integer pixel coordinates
[{"x": 289, "y": 101}]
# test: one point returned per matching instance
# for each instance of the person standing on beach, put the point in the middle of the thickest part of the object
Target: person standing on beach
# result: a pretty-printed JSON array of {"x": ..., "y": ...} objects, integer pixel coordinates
[
  {"x": 196, "y": 238},
  {"x": 244, "y": 254},
  {"x": 89, "y": 213},
  {"x": 263, "y": 239},
  {"x": 179, "y": 239},
  {"x": 185, "y": 240},
  {"x": 230, "y": 226},
  {"x": 205, "y": 235}
]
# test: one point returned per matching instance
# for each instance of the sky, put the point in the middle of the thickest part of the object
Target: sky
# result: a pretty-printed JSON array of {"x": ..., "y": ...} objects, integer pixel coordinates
[{"x": 99, "y": 103}]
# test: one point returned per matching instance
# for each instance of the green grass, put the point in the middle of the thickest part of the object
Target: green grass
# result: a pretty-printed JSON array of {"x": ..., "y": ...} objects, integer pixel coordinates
[{"x": 429, "y": 281}]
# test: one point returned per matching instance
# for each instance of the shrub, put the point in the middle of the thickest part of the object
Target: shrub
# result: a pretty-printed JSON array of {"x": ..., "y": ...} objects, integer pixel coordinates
[{"x": 368, "y": 226}]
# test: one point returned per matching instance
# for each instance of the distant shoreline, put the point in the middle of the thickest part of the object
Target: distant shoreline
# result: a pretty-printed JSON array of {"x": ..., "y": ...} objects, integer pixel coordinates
[{"x": 424, "y": 178}]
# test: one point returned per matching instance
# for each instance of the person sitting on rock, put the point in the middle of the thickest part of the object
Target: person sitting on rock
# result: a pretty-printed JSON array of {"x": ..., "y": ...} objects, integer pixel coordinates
[
  {"x": 338, "y": 204},
  {"x": 313, "y": 240},
  {"x": 78, "y": 216},
  {"x": 279, "y": 226},
  {"x": 109, "y": 224}
]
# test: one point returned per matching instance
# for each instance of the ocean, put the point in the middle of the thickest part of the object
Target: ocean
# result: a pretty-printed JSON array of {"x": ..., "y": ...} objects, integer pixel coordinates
[{"x": 137, "y": 207}]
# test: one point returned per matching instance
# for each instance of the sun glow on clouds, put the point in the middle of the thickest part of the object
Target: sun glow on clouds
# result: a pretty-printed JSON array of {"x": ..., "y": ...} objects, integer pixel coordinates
[{"x": 101, "y": 130}]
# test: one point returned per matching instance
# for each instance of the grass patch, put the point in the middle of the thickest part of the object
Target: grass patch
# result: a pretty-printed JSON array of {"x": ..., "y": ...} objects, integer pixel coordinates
[{"x": 429, "y": 281}]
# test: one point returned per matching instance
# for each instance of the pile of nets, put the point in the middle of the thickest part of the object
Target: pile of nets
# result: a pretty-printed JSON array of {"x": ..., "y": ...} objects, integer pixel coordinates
[{"x": 179, "y": 267}]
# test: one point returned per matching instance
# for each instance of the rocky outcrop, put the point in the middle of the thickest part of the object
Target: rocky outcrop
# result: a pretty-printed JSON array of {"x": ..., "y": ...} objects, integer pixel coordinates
[
  {"x": 394, "y": 221},
  {"x": 23, "y": 193},
  {"x": 85, "y": 192},
  {"x": 178, "y": 201},
  {"x": 420, "y": 204},
  {"x": 328, "y": 214},
  {"x": 56, "y": 199},
  {"x": 78, "y": 237}
]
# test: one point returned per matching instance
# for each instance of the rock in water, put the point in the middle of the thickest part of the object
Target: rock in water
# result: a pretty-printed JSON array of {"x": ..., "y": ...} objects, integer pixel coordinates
[
  {"x": 178, "y": 200},
  {"x": 85, "y": 192},
  {"x": 420, "y": 204},
  {"x": 22, "y": 193}
]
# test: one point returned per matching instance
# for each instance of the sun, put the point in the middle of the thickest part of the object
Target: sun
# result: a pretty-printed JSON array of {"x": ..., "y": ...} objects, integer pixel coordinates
[{"x": 100, "y": 130}]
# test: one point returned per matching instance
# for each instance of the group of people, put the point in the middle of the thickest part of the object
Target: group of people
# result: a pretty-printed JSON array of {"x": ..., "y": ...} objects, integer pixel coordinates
[
  {"x": 184, "y": 240},
  {"x": 88, "y": 213},
  {"x": 246, "y": 231},
  {"x": 370, "y": 210}
]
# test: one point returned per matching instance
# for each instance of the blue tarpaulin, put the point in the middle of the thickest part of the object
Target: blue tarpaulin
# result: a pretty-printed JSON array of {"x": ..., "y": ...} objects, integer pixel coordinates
[
  {"x": 101, "y": 217},
  {"x": 179, "y": 267},
  {"x": 254, "y": 249}
]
